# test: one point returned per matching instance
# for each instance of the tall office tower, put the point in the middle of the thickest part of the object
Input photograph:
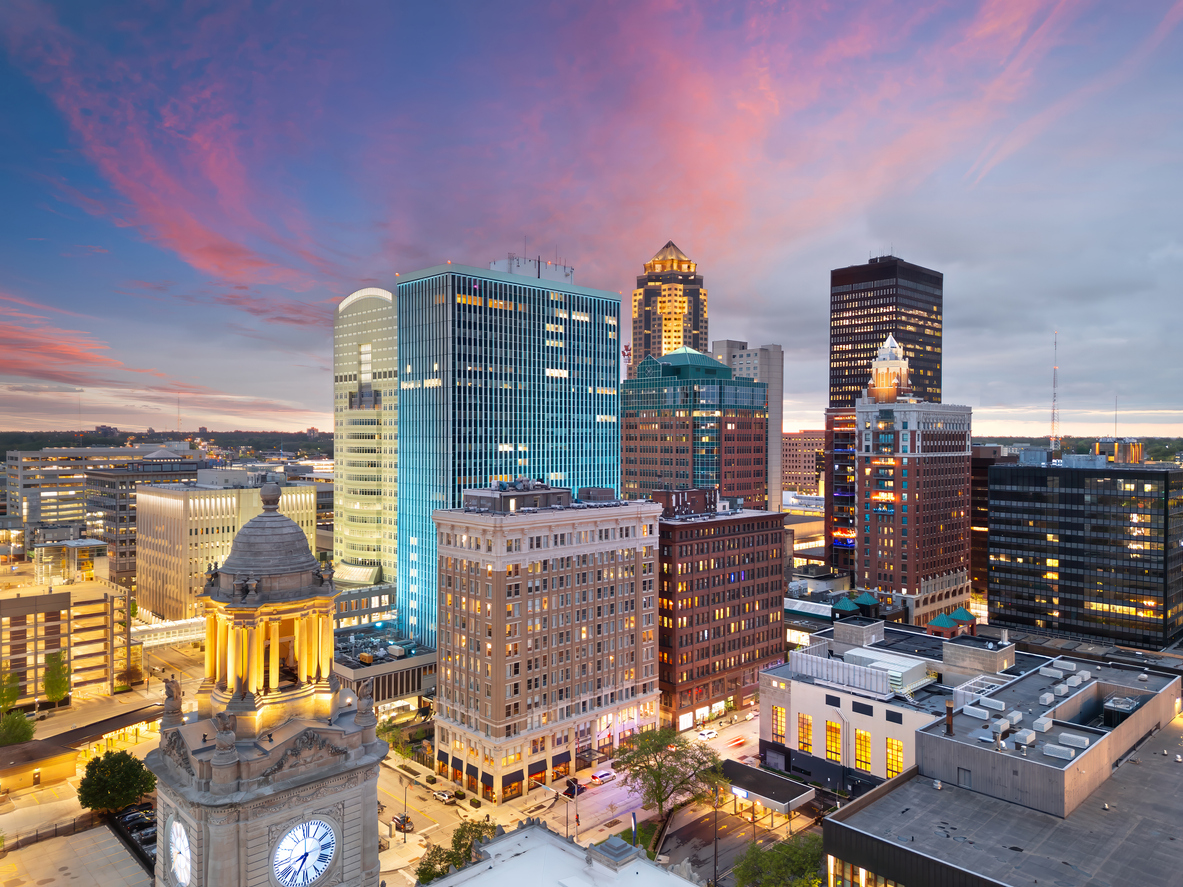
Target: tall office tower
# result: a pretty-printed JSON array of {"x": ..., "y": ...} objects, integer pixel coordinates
[
  {"x": 912, "y": 471},
  {"x": 886, "y": 296},
  {"x": 721, "y": 621},
  {"x": 111, "y": 506},
  {"x": 764, "y": 364},
  {"x": 1088, "y": 549},
  {"x": 365, "y": 438},
  {"x": 868, "y": 302},
  {"x": 669, "y": 307},
  {"x": 803, "y": 461},
  {"x": 49, "y": 485},
  {"x": 687, "y": 424},
  {"x": 548, "y": 621},
  {"x": 984, "y": 455},
  {"x": 501, "y": 375}
]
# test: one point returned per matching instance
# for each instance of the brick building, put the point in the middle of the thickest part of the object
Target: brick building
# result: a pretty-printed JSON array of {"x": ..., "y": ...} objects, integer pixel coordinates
[
  {"x": 721, "y": 599},
  {"x": 802, "y": 459}
]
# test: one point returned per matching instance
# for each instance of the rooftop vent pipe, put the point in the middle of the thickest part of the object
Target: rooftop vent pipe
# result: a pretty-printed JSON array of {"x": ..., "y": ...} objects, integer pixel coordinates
[{"x": 948, "y": 717}]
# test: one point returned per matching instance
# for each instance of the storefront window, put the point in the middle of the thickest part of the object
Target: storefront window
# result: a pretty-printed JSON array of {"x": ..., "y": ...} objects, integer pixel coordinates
[
  {"x": 833, "y": 742},
  {"x": 805, "y": 733},
  {"x": 512, "y": 790}
]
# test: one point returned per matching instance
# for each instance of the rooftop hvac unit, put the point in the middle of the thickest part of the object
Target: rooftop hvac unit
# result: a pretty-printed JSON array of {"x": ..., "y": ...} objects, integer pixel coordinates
[
  {"x": 1042, "y": 725},
  {"x": 1067, "y": 666},
  {"x": 1025, "y": 737},
  {"x": 1051, "y": 672},
  {"x": 975, "y": 712},
  {"x": 1085, "y": 675},
  {"x": 1046, "y": 698},
  {"x": 1000, "y": 726},
  {"x": 1058, "y": 751},
  {"x": 1014, "y": 717},
  {"x": 1060, "y": 689},
  {"x": 1074, "y": 739},
  {"x": 995, "y": 704},
  {"x": 1073, "y": 680}
]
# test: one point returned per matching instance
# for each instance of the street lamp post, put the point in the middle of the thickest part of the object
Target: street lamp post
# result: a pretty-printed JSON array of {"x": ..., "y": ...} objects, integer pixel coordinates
[
  {"x": 405, "y": 787},
  {"x": 715, "y": 881},
  {"x": 566, "y": 807}
]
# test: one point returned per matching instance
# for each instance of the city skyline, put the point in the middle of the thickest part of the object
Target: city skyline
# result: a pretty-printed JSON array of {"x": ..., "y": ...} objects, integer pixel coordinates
[{"x": 192, "y": 193}]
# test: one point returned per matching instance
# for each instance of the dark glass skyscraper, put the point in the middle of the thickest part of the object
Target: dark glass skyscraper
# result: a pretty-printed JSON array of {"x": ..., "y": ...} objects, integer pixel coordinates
[
  {"x": 1087, "y": 550},
  {"x": 867, "y": 303}
]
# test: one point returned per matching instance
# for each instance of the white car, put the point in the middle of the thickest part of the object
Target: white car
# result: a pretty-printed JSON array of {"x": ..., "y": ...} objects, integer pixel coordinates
[
  {"x": 445, "y": 797},
  {"x": 707, "y": 734}
]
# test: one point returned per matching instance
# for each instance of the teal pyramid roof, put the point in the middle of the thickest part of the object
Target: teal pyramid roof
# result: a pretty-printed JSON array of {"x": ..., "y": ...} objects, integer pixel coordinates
[
  {"x": 962, "y": 615},
  {"x": 866, "y": 599},
  {"x": 942, "y": 621},
  {"x": 844, "y": 604}
]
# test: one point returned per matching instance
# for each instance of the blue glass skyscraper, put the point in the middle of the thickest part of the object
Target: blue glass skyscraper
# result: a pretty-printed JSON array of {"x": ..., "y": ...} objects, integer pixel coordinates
[{"x": 499, "y": 376}]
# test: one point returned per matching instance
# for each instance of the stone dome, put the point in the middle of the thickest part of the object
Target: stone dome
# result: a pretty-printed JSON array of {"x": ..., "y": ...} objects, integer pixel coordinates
[{"x": 269, "y": 544}]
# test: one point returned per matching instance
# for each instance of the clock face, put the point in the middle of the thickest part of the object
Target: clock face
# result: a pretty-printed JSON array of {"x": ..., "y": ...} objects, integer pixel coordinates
[
  {"x": 178, "y": 849},
  {"x": 304, "y": 853}
]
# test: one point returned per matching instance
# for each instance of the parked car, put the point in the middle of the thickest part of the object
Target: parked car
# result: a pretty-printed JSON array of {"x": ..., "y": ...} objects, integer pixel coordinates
[
  {"x": 707, "y": 734},
  {"x": 138, "y": 825},
  {"x": 146, "y": 836},
  {"x": 445, "y": 797},
  {"x": 574, "y": 788},
  {"x": 749, "y": 716},
  {"x": 602, "y": 776},
  {"x": 130, "y": 812},
  {"x": 402, "y": 823},
  {"x": 140, "y": 816}
]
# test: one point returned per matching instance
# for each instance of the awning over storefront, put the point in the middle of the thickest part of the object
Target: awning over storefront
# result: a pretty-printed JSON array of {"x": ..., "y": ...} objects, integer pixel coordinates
[
  {"x": 769, "y": 790},
  {"x": 511, "y": 778},
  {"x": 473, "y": 770},
  {"x": 457, "y": 763},
  {"x": 441, "y": 755},
  {"x": 537, "y": 767},
  {"x": 561, "y": 758},
  {"x": 487, "y": 779}
]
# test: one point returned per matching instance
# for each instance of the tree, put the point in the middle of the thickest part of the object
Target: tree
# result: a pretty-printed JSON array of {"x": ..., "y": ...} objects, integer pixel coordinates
[
  {"x": 437, "y": 860},
  {"x": 15, "y": 727},
  {"x": 10, "y": 690},
  {"x": 795, "y": 863},
  {"x": 55, "y": 680},
  {"x": 113, "y": 781},
  {"x": 659, "y": 765}
]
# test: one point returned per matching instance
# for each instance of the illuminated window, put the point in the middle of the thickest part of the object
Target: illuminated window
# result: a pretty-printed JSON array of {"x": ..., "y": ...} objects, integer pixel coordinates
[
  {"x": 778, "y": 724},
  {"x": 895, "y": 757},
  {"x": 833, "y": 742},
  {"x": 862, "y": 750},
  {"x": 805, "y": 733}
]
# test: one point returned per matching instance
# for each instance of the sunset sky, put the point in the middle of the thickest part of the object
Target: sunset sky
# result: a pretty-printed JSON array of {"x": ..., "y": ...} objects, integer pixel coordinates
[{"x": 189, "y": 188}]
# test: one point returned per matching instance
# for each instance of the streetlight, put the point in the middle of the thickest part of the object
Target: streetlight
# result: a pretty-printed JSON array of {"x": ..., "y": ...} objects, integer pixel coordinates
[
  {"x": 566, "y": 808},
  {"x": 715, "y": 881}
]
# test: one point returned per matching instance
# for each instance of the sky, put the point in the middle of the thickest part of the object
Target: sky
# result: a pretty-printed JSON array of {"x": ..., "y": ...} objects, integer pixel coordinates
[{"x": 188, "y": 188}]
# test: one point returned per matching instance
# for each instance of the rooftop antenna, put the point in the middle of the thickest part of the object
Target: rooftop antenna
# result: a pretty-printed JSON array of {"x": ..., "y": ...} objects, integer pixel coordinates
[
  {"x": 1115, "y": 418},
  {"x": 1054, "y": 440}
]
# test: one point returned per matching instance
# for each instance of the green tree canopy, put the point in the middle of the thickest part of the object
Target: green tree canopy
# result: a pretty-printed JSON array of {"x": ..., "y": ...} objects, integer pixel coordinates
[
  {"x": 55, "y": 680},
  {"x": 661, "y": 764},
  {"x": 113, "y": 781},
  {"x": 437, "y": 860},
  {"x": 10, "y": 690},
  {"x": 794, "y": 863},
  {"x": 15, "y": 727}
]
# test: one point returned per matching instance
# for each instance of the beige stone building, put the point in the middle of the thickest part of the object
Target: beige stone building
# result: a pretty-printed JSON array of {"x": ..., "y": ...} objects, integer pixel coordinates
[
  {"x": 547, "y": 634},
  {"x": 183, "y": 528},
  {"x": 276, "y": 783}
]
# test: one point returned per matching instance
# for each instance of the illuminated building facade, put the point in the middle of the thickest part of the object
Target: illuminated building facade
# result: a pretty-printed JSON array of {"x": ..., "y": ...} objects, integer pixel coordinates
[
  {"x": 912, "y": 496},
  {"x": 803, "y": 461},
  {"x": 365, "y": 418},
  {"x": 764, "y": 364},
  {"x": 1088, "y": 550},
  {"x": 687, "y": 424},
  {"x": 500, "y": 376},
  {"x": 840, "y": 488},
  {"x": 722, "y": 593},
  {"x": 669, "y": 307},
  {"x": 548, "y": 624},
  {"x": 984, "y": 455}
]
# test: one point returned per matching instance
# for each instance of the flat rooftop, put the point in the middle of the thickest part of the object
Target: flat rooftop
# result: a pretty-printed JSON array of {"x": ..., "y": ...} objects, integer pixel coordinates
[
  {"x": 1022, "y": 695},
  {"x": 1138, "y": 840}
]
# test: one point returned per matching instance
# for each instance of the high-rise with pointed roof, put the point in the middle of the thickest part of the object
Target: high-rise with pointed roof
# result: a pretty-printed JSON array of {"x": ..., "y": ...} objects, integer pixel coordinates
[{"x": 669, "y": 307}]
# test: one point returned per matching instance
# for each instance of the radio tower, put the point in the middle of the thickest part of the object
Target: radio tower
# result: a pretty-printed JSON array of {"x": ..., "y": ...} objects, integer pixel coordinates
[{"x": 1054, "y": 440}]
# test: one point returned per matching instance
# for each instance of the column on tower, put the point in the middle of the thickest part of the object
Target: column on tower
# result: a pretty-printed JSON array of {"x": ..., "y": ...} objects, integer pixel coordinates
[
  {"x": 326, "y": 644},
  {"x": 222, "y": 659},
  {"x": 233, "y": 660},
  {"x": 211, "y": 647},
  {"x": 260, "y": 659},
  {"x": 312, "y": 635},
  {"x": 302, "y": 655},
  {"x": 251, "y": 657},
  {"x": 274, "y": 662}
]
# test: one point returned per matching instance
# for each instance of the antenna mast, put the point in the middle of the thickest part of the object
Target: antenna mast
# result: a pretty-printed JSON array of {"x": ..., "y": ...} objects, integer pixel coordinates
[{"x": 1054, "y": 440}]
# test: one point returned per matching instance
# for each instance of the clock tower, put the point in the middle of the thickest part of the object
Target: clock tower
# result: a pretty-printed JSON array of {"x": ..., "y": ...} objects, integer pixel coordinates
[{"x": 276, "y": 784}]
